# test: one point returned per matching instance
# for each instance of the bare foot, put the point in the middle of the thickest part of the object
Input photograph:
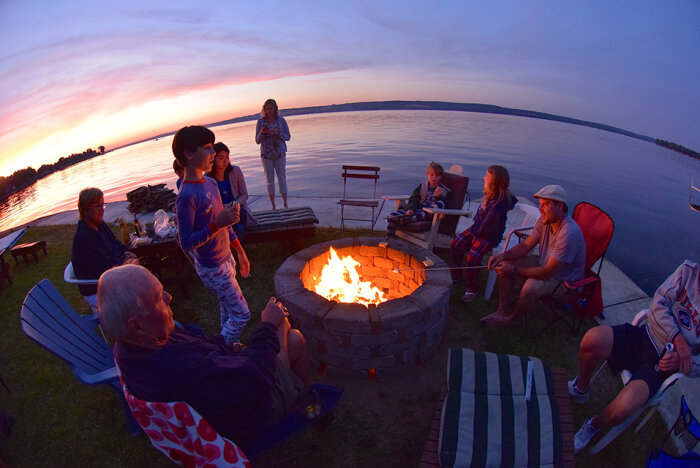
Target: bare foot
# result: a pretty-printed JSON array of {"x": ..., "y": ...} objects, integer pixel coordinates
[
  {"x": 494, "y": 317},
  {"x": 500, "y": 322}
]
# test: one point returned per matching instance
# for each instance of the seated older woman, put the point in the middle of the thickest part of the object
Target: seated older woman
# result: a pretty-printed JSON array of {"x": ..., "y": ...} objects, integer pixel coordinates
[{"x": 95, "y": 249}]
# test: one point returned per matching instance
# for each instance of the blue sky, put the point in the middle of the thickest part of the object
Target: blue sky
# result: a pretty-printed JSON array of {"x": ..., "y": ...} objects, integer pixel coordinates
[{"x": 81, "y": 74}]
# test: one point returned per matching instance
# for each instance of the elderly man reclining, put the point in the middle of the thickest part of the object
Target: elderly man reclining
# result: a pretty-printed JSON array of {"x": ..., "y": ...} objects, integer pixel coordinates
[
  {"x": 673, "y": 318},
  {"x": 241, "y": 392},
  {"x": 562, "y": 257}
]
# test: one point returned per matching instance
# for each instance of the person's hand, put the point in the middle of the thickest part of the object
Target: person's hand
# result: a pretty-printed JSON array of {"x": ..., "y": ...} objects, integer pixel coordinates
[
  {"x": 669, "y": 363},
  {"x": 228, "y": 216},
  {"x": 685, "y": 355},
  {"x": 505, "y": 269},
  {"x": 439, "y": 192},
  {"x": 274, "y": 312},
  {"x": 244, "y": 265},
  {"x": 409, "y": 212},
  {"x": 495, "y": 260}
]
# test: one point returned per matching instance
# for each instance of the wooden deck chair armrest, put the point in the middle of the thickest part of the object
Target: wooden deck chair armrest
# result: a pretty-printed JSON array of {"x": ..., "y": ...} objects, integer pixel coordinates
[
  {"x": 396, "y": 198},
  {"x": 105, "y": 376},
  {"x": 446, "y": 211}
]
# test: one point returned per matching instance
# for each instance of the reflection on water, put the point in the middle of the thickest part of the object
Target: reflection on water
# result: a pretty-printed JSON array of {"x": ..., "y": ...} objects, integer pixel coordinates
[{"x": 642, "y": 186}]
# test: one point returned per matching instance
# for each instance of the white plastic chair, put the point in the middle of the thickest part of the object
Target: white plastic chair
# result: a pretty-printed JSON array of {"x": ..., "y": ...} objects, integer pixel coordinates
[
  {"x": 69, "y": 276},
  {"x": 653, "y": 402},
  {"x": 520, "y": 219}
]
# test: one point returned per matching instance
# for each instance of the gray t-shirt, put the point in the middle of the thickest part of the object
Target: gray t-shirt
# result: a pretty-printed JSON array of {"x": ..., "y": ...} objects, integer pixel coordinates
[{"x": 566, "y": 245}]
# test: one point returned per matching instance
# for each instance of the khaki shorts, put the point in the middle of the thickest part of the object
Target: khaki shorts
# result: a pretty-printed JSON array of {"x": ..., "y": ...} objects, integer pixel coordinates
[
  {"x": 286, "y": 390},
  {"x": 534, "y": 287}
]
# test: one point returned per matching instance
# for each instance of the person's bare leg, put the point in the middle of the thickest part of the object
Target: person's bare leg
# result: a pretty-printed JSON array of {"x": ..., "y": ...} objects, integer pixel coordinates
[
  {"x": 629, "y": 400},
  {"x": 284, "y": 200},
  {"x": 595, "y": 346},
  {"x": 525, "y": 303},
  {"x": 272, "y": 201},
  {"x": 298, "y": 357},
  {"x": 505, "y": 288},
  {"x": 283, "y": 337}
]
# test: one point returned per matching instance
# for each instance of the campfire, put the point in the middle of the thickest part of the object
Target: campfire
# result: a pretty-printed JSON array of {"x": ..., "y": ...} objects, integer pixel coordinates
[
  {"x": 340, "y": 282},
  {"x": 384, "y": 308}
]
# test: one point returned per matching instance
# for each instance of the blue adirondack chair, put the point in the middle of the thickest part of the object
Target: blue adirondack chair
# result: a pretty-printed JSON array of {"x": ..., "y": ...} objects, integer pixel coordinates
[{"x": 48, "y": 319}]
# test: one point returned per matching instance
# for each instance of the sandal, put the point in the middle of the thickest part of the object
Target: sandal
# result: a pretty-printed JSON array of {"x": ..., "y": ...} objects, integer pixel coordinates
[{"x": 469, "y": 296}]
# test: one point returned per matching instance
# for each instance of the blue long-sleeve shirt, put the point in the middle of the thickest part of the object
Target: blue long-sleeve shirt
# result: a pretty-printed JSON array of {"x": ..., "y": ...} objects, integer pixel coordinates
[{"x": 198, "y": 205}]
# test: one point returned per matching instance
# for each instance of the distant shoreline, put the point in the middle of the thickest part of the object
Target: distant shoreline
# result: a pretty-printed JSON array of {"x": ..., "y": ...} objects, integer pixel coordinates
[{"x": 418, "y": 105}]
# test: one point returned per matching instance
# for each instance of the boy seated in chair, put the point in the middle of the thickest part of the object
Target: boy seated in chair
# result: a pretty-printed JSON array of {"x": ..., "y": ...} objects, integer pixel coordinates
[
  {"x": 430, "y": 193},
  {"x": 241, "y": 392},
  {"x": 673, "y": 318}
]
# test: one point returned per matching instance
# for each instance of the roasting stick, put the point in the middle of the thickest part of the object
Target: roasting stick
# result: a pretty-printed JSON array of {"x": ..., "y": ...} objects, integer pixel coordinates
[{"x": 396, "y": 270}]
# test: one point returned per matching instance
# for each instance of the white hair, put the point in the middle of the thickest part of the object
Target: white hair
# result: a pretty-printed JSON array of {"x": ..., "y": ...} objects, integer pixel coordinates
[{"x": 122, "y": 293}]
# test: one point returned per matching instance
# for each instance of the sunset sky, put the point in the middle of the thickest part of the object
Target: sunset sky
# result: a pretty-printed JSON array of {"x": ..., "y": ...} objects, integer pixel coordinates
[{"x": 80, "y": 74}]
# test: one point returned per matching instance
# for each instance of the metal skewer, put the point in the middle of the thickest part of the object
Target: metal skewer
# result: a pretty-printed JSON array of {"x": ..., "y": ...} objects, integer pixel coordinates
[{"x": 396, "y": 270}]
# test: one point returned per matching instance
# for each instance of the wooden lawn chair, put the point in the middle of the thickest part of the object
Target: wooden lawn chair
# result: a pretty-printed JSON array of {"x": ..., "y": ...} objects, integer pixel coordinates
[
  {"x": 50, "y": 321},
  {"x": 440, "y": 231}
]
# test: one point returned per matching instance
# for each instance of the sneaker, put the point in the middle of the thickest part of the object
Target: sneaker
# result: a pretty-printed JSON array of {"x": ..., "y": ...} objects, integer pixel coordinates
[
  {"x": 577, "y": 395},
  {"x": 584, "y": 435},
  {"x": 469, "y": 296}
]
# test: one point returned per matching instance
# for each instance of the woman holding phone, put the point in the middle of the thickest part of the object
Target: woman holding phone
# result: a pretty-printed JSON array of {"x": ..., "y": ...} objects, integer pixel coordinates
[{"x": 271, "y": 133}]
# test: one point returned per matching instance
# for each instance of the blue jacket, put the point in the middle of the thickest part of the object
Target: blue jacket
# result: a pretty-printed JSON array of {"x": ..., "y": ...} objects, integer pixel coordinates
[{"x": 490, "y": 219}]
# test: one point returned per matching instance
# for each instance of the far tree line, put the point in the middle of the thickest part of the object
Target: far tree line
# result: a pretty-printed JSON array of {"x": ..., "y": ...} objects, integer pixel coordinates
[
  {"x": 23, "y": 178},
  {"x": 679, "y": 148}
]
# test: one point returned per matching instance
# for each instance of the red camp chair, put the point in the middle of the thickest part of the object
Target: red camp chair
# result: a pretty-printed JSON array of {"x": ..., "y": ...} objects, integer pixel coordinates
[{"x": 583, "y": 299}]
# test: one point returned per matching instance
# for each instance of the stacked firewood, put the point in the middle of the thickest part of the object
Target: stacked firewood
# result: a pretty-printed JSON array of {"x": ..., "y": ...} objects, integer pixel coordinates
[{"x": 150, "y": 198}]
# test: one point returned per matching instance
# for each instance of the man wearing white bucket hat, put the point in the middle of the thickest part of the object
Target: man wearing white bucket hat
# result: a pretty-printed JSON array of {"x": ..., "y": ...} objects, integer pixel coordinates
[{"x": 562, "y": 257}]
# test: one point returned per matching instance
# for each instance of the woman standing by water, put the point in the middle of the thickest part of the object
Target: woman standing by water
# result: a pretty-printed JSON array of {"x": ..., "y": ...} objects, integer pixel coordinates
[
  {"x": 232, "y": 187},
  {"x": 271, "y": 133}
]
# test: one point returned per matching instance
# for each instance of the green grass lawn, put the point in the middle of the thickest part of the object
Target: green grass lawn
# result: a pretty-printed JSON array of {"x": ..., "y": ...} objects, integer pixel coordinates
[{"x": 382, "y": 422}]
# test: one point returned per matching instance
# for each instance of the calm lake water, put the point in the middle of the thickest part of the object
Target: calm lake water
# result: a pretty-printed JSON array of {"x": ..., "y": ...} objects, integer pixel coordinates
[{"x": 644, "y": 187}]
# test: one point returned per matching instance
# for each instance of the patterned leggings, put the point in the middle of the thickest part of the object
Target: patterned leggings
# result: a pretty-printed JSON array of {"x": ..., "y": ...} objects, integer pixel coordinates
[
  {"x": 472, "y": 249},
  {"x": 233, "y": 308}
]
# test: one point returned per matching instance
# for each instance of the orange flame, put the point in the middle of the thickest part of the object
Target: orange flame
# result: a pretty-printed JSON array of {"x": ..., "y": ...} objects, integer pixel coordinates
[{"x": 340, "y": 282}]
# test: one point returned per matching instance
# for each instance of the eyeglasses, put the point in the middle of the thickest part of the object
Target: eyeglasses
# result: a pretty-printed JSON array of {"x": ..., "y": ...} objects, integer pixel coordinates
[{"x": 98, "y": 205}]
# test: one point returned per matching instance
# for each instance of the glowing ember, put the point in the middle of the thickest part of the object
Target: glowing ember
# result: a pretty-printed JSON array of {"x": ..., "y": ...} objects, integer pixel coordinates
[{"x": 340, "y": 282}]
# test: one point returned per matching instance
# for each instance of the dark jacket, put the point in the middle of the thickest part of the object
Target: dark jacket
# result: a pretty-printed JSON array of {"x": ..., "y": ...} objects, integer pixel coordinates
[
  {"x": 490, "y": 219},
  {"x": 231, "y": 390},
  {"x": 93, "y": 253}
]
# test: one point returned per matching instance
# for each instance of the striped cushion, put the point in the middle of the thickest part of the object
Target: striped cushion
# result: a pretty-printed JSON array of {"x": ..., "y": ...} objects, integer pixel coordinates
[
  {"x": 486, "y": 420},
  {"x": 275, "y": 220}
]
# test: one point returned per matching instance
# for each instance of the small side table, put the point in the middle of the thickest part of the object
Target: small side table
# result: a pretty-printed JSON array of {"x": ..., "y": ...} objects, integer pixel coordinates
[{"x": 32, "y": 248}]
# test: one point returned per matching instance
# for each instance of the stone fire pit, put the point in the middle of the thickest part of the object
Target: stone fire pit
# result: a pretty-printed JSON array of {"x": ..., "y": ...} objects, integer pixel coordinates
[{"x": 353, "y": 337}]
